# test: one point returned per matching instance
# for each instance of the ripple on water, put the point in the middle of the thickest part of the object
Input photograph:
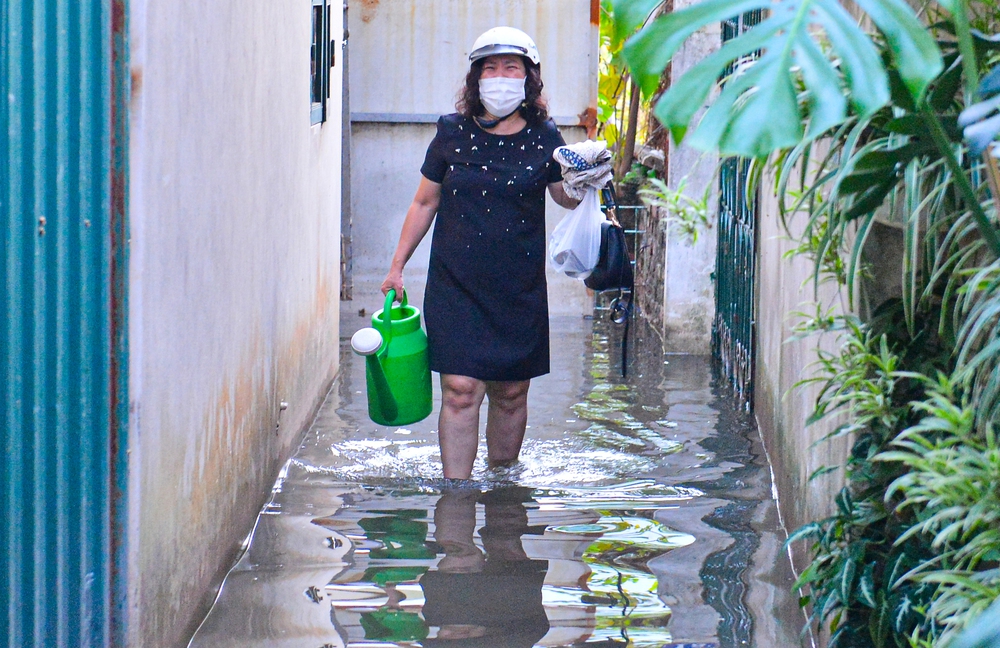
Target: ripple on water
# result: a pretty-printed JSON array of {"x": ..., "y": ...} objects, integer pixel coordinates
[
  {"x": 592, "y": 456},
  {"x": 553, "y": 551}
]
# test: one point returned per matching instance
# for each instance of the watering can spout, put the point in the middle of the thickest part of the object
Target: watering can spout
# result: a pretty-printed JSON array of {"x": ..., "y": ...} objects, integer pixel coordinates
[
  {"x": 367, "y": 342},
  {"x": 395, "y": 352}
]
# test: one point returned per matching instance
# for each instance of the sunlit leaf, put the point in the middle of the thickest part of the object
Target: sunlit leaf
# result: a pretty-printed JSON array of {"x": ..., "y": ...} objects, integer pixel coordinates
[
  {"x": 827, "y": 104},
  {"x": 687, "y": 95},
  {"x": 915, "y": 53},
  {"x": 649, "y": 51},
  {"x": 852, "y": 73}
]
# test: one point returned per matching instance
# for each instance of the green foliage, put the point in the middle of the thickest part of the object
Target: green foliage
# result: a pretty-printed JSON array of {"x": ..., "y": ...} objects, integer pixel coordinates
[
  {"x": 612, "y": 80},
  {"x": 824, "y": 251},
  {"x": 680, "y": 212},
  {"x": 852, "y": 582},
  {"x": 951, "y": 488},
  {"x": 979, "y": 341},
  {"x": 983, "y": 631},
  {"x": 614, "y": 91},
  {"x": 861, "y": 128},
  {"x": 638, "y": 174},
  {"x": 804, "y": 90}
]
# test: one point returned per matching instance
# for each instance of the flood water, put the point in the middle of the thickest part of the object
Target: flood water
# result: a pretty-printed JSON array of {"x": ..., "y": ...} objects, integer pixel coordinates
[{"x": 639, "y": 515}]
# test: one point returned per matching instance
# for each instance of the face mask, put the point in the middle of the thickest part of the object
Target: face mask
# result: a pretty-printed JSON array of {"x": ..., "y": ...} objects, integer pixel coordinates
[{"x": 500, "y": 95}]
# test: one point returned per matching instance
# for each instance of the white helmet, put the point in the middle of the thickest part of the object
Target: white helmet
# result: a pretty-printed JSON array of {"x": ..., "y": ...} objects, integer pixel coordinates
[{"x": 504, "y": 40}]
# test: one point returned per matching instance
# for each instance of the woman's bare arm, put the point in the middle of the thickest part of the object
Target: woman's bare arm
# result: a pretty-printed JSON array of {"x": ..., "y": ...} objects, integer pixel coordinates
[
  {"x": 418, "y": 220},
  {"x": 559, "y": 195}
]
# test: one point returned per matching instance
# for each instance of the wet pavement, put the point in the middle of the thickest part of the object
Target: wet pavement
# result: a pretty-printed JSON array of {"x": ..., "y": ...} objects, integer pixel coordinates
[{"x": 639, "y": 515}]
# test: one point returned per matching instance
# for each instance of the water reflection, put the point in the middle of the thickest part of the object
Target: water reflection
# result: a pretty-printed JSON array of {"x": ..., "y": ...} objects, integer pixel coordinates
[
  {"x": 494, "y": 594},
  {"x": 639, "y": 515},
  {"x": 497, "y": 568}
]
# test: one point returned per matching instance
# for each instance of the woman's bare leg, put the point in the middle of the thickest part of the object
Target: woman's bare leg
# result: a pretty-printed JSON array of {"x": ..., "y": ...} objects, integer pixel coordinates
[
  {"x": 454, "y": 526},
  {"x": 506, "y": 420},
  {"x": 458, "y": 424}
]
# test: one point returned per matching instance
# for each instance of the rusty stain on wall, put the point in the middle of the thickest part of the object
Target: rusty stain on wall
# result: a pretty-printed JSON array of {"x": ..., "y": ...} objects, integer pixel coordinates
[
  {"x": 595, "y": 12},
  {"x": 136, "y": 83},
  {"x": 237, "y": 445},
  {"x": 369, "y": 8}
]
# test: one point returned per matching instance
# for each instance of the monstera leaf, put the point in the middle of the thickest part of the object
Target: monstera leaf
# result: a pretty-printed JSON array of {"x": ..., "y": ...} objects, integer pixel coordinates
[{"x": 813, "y": 46}]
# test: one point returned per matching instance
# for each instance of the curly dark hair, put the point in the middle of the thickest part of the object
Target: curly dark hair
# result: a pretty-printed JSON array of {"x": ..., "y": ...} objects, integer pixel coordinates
[{"x": 535, "y": 108}]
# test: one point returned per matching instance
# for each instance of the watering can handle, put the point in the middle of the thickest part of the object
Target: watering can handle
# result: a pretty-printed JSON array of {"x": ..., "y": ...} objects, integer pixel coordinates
[{"x": 390, "y": 297}]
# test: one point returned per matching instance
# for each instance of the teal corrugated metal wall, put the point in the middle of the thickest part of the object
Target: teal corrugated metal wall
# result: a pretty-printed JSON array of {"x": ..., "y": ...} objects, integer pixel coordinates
[{"x": 63, "y": 100}]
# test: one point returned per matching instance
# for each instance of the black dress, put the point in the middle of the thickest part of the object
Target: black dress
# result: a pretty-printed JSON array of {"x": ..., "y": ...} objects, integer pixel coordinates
[{"x": 485, "y": 305}]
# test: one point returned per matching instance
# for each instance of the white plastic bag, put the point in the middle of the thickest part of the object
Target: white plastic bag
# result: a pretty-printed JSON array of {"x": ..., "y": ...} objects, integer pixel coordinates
[{"x": 575, "y": 243}]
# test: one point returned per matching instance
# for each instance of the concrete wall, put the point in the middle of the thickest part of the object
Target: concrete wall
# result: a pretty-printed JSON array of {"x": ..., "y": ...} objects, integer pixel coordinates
[
  {"x": 682, "y": 303},
  {"x": 784, "y": 287},
  {"x": 688, "y": 287},
  {"x": 234, "y": 277}
]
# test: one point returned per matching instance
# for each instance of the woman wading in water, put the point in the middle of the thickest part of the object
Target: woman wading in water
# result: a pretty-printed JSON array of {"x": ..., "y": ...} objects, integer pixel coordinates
[{"x": 485, "y": 175}]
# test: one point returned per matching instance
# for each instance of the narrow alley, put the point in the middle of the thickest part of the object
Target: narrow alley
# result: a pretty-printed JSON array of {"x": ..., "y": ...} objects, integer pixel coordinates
[{"x": 640, "y": 515}]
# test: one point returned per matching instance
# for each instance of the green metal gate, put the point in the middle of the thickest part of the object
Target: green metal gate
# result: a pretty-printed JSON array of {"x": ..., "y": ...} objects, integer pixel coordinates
[
  {"x": 733, "y": 330},
  {"x": 64, "y": 88}
]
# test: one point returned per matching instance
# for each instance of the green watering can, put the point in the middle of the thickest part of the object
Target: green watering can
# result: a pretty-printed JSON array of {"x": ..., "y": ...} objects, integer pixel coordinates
[{"x": 398, "y": 376}]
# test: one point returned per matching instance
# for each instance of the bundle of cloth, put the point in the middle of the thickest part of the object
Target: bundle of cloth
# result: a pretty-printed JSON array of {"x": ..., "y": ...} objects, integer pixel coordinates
[{"x": 586, "y": 165}]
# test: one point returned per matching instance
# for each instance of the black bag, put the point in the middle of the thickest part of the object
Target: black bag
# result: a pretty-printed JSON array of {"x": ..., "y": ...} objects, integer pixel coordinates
[
  {"x": 614, "y": 268},
  {"x": 614, "y": 272}
]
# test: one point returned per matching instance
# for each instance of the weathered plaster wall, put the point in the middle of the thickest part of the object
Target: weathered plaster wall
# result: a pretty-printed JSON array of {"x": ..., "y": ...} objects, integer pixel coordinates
[
  {"x": 234, "y": 282},
  {"x": 688, "y": 288},
  {"x": 784, "y": 287}
]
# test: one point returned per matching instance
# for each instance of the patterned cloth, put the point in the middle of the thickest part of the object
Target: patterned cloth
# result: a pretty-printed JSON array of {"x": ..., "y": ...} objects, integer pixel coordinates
[{"x": 584, "y": 165}]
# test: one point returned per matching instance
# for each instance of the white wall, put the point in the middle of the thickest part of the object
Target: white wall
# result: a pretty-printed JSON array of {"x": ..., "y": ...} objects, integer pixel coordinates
[
  {"x": 785, "y": 287},
  {"x": 234, "y": 277},
  {"x": 688, "y": 288}
]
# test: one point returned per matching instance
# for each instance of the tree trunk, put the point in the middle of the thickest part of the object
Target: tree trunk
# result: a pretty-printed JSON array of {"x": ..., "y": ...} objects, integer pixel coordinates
[{"x": 628, "y": 151}]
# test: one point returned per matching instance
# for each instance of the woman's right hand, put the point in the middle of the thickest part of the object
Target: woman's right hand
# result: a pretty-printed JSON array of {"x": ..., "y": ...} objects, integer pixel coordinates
[{"x": 393, "y": 281}]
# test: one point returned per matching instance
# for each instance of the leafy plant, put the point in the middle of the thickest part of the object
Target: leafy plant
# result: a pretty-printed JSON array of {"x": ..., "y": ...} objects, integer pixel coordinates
[
  {"x": 951, "y": 487},
  {"x": 792, "y": 56},
  {"x": 612, "y": 82},
  {"x": 621, "y": 115},
  {"x": 638, "y": 174},
  {"x": 861, "y": 128},
  {"x": 851, "y": 581},
  {"x": 824, "y": 251},
  {"x": 679, "y": 211}
]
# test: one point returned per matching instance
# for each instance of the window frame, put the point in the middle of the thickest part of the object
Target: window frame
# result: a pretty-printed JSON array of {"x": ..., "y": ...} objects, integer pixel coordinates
[{"x": 321, "y": 60}]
